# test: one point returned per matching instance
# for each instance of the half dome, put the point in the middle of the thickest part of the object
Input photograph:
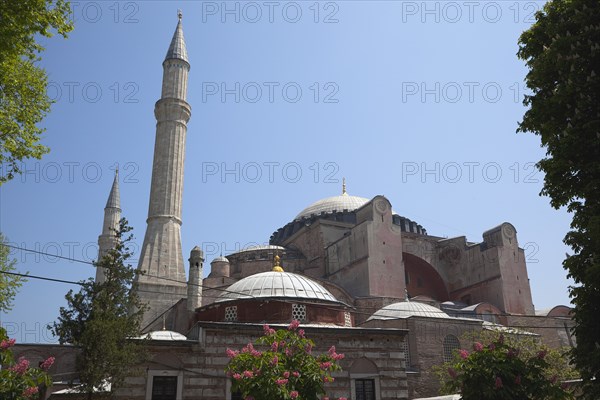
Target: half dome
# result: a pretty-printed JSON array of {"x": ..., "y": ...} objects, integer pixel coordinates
[
  {"x": 276, "y": 284},
  {"x": 405, "y": 309}
]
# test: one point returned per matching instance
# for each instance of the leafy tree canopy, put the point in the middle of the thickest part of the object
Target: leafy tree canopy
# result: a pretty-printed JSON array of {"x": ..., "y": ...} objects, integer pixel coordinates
[
  {"x": 506, "y": 368},
  {"x": 23, "y": 98},
  {"x": 103, "y": 319},
  {"x": 562, "y": 51},
  {"x": 9, "y": 284}
]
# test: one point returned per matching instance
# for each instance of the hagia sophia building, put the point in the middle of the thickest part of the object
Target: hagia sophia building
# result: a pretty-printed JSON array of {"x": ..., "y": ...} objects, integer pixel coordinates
[{"x": 394, "y": 298}]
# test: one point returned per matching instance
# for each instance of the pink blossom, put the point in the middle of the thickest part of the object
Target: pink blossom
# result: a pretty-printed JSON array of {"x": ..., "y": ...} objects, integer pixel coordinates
[
  {"x": 325, "y": 365},
  {"x": 463, "y": 353},
  {"x": 30, "y": 391},
  {"x": 518, "y": 380},
  {"x": 281, "y": 382},
  {"x": 492, "y": 346},
  {"x": 288, "y": 352},
  {"x": 342, "y": 398},
  {"x": 237, "y": 376},
  {"x": 333, "y": 354},
  {"x": 274, "y": 361},
  {"x": 553, "y": 379},
  {"x": 501, "y": 339},
  {"x": 498, "y": 383},
  {"x": 328, "y": 379},
  {"x": 542, "y": 354},
  {"x": 301, "y": 333},
  {"x": 255, "y": 353},
  {"x": 293, "y": 394},
  {"x": 274, "y": 346},
  {"x": 249, "y": 347},
  {"x": 452, "y": 373},
  {"x": 268, "y": 330},
  {"x": 286, "y": 374},
  {"x": 47, "y": 363},
  {"x": 7, "y": 343},
  {"x": 21, "y": 367},
  {"x": 512, "y": 353},
  {"x": 309, "y": 348},
  {"x": 294, "y": 325},
  {"x": 477, "y": 346},
  {"x": 232, "y": 353},
  {"x": 248, "y": 374},
  {"x": 296, "y": 374}
]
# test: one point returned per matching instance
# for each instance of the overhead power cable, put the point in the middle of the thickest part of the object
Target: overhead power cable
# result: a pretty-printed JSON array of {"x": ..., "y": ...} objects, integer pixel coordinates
[{"x": 368, "y": 311}]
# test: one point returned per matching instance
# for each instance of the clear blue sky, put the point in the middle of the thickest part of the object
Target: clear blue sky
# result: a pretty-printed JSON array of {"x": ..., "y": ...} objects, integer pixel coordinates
[{"x": 418, "y": 101}]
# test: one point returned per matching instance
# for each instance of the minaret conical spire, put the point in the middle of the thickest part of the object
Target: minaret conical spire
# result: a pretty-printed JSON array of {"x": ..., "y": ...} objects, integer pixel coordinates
[
  {"x": 164, "y": 282},
  {"x": 114, "y": 199},
  {"x": 177, "y": 48},
  {"x": 112, "y": 215}
]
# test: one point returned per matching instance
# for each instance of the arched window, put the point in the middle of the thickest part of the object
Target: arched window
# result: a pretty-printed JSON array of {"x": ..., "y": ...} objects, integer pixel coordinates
[
  {"x": 451, "y": 343},
  {"x": 364, "y": 377}
]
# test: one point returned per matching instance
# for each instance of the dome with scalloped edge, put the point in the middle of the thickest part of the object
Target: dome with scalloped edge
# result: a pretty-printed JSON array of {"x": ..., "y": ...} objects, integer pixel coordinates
[
  {"x": 343, "y": 202},
  {"x": 405, "y": 309},
  {"x": 276, "y": 284}
]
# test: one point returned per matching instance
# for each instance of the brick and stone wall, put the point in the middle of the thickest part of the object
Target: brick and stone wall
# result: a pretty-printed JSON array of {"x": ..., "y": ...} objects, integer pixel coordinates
[{"x": 201, "y": 363}]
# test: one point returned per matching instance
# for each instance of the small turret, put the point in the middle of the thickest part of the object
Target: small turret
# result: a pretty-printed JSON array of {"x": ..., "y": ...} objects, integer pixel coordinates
[
  {"x": 112, "y": 214},
  {"x": 219, "y": 268},
  {"x": 194, "y": 285}
]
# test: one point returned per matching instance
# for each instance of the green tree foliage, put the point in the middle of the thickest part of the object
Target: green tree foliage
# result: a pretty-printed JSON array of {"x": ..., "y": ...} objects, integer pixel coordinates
[
  {"x": 285, "y": 369},
  {"x": 23, "y": 98},
  {"x": 102, "y": 318},
  {"x": 18, "y": 381},
  {"x": 562, "y": 51},
  {"x": 9, "y": 284},
  {"x": 506, "y": 368}
]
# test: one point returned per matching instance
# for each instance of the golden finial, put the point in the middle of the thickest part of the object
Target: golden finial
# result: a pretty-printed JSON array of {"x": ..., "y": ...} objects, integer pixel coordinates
[
  {"x": 179, "y": 14},
  {"x": 343, "y": 186},
  {"x": 277, "y": 267}
]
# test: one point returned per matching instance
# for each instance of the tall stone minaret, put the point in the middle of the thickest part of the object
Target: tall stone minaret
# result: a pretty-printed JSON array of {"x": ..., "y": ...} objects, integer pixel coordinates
[
  {"x": 164, "y": 282},
  {"x": 112, "y": 214}
]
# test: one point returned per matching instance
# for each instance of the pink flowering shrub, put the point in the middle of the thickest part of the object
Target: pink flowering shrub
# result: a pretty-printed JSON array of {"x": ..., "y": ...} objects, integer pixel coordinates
[
  {"x": 282, "y": 367},
  {"x": 18, "y": 380},
  {"x": 501, "y": 371}
]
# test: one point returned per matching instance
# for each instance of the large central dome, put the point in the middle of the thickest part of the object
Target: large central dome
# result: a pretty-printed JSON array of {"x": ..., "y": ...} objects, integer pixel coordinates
[
  {"x": 343, "y": 202},
  {"x": 276, "y": 284}
]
